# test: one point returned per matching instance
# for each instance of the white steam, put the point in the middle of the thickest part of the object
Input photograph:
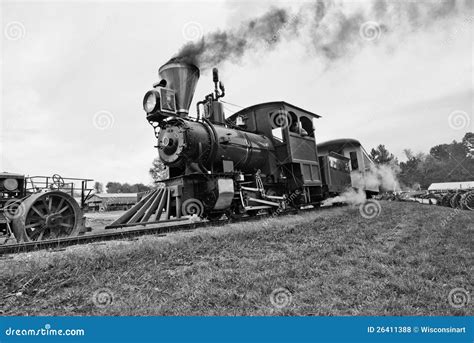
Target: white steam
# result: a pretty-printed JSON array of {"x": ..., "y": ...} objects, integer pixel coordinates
[
  {"x": 382, "y": 177},
  {"x": 351, "y": 196}
]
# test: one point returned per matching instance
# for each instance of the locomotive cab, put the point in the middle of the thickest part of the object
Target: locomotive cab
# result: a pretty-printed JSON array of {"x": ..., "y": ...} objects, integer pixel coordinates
[{"x": 292, "y": 133}]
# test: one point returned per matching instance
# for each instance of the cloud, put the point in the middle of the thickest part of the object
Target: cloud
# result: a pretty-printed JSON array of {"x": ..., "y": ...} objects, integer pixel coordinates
[{"x": 80, "y": 58}]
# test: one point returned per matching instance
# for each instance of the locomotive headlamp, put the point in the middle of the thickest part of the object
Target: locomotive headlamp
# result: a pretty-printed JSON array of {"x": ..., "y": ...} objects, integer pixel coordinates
[
  {"x": 150, "y": 101},
  {"x": 159, "y": 103},
  {"x": 10, "y": 184}
]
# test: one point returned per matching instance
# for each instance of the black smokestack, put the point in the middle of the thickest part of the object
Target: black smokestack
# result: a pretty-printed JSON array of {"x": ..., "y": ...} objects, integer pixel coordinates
[{"x": 330, "y": 30}]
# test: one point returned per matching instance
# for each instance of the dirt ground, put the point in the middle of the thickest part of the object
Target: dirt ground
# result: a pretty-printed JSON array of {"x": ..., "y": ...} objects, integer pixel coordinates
[{"x": 98, "y": 220}]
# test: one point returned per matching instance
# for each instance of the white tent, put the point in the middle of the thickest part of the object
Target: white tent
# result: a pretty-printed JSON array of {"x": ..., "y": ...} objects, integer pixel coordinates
[{"x": 444, "y": 186}]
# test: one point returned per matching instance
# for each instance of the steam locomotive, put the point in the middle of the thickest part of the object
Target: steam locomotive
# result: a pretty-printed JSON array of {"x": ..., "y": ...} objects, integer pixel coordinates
[{"x": 263, "y": 157}]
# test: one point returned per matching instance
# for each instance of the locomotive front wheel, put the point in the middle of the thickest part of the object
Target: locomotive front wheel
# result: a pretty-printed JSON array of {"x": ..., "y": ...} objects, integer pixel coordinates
[{"x": 48, "y": 215}]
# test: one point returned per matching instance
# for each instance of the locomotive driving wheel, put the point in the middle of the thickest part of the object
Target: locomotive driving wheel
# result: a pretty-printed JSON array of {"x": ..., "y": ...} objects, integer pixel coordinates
[{"x": 47, "y": 215}]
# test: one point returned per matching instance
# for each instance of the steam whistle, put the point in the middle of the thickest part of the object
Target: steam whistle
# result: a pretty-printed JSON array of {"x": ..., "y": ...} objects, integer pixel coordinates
[
  {"x": 213, "y": 109},
  {"x": 219, "y": 89}
]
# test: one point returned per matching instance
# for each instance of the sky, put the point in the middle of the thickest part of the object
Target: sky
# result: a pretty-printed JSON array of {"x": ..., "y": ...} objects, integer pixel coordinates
[{"x": 73, "y": 76}]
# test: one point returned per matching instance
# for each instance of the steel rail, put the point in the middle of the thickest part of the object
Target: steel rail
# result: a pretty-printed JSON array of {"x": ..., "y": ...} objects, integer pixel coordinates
[{"x": 132, "y": 231}]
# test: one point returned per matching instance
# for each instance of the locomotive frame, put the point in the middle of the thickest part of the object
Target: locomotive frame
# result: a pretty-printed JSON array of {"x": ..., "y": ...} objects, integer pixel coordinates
[{"x": 263, "y": 157}]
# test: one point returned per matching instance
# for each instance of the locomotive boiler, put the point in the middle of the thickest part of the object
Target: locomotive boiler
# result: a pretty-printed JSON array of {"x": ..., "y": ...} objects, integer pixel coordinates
[
  {"x": 200, "y": 146},
  {"x": 262, "y": 158}
]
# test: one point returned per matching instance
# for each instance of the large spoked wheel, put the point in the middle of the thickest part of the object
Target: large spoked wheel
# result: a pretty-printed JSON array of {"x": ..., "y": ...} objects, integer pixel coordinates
[
  {"x": 48, "y": 215},
  {"x": 467, "y": 201}
]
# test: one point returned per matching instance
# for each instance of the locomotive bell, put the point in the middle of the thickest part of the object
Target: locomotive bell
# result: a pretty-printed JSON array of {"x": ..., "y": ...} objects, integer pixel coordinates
[{"x": 182, "y": 78}]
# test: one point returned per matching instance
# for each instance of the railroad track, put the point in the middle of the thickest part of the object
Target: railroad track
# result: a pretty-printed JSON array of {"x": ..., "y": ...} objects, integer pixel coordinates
[{"x": 117, "y": 234}]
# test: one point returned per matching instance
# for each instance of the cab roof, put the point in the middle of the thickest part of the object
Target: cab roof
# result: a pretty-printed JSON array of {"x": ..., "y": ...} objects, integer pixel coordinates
[
  {"x": 272, "y": 103},
  {"x": 339, "y": 142}
]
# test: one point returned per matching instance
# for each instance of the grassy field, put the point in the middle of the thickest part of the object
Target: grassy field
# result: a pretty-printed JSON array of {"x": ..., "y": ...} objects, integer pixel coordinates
[{"x": 334, "y": 261}]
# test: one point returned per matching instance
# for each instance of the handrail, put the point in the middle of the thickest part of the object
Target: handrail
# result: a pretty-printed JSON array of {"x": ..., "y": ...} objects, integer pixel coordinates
[{"x": 39, "y": 182}]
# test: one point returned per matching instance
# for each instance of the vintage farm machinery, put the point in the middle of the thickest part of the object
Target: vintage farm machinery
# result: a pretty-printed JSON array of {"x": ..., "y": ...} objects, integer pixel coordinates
[
  {"x": 38, "y": 208},
  {"x": 462, "y": 199}
]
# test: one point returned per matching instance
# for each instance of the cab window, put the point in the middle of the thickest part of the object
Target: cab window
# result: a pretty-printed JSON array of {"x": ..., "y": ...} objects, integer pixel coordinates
[
  {"x": 354, "y": 162},
  {"x": 277, "y": 134},
  {"x": 306, "y": 127},
  {"x": 338, "y": 164}
]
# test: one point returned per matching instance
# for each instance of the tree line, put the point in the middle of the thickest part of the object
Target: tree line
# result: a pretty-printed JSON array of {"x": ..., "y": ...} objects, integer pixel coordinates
[
  {"x": 449, "y": 162},
  {"x": 117, "y": 187},
  {"x": 157, "y": 172}
]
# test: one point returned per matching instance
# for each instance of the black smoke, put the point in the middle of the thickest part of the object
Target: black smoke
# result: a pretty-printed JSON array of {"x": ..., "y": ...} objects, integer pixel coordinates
[
  {"x": 325, "y": 27},
  {"x": 231, "y": 45}
]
